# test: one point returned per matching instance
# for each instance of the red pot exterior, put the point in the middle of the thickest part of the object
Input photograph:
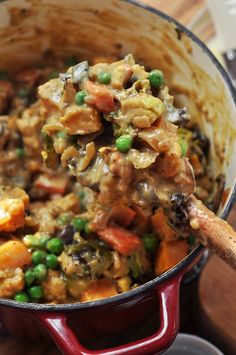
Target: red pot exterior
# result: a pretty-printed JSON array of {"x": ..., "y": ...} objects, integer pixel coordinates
[{"x": 91, "y": 324}]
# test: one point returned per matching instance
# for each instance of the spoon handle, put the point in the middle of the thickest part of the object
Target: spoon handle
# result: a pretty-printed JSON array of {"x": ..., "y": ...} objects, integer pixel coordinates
[{"x": 213, "y": 232}]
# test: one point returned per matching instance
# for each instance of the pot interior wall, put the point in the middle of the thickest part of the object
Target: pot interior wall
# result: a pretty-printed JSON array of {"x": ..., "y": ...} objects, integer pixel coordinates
[{"x": 31, "y": 30}]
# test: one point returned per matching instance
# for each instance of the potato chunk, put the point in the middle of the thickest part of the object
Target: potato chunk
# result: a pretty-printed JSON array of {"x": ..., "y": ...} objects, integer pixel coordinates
[
  {"x": 14, "y": 254},
  {"x": 98, "y": 290}
]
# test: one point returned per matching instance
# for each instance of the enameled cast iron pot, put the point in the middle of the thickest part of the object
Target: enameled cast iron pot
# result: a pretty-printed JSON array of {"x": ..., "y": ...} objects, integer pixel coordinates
[{"x": 28, "y": 29}]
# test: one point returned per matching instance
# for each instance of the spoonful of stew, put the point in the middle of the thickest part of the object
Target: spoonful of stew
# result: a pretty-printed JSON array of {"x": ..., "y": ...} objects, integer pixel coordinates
[{"x": 115, "y": 126}]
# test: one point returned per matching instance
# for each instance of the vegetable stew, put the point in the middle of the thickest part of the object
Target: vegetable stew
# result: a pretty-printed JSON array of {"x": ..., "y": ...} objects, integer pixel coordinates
[{"x": 95, "y": 163}]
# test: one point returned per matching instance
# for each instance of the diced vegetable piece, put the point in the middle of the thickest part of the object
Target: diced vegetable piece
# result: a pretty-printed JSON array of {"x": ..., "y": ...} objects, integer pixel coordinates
[
  {"x": 79, "y": 97},
  {"x": 160, "y": 226},
  {"x": 52, "y": 261},
  {"x": 156, "y": 78},
  {"x": 55, "y": 246},
  {"x": 36, "y": 240},
  {"x": 142, "y": 160},
  {"x": 169, "y": 254},
  {"x": 20, "y": 152},
  {"x": 104, "y": 77},
  {"x": 142, "y": 110},
  {"x": 79, "y": 224},
  {"x": 29, "y": 277},
  {"x": 38, "y": 257},
  {"x": 121, "y": 240},
  {"x": 150, "y": 242},
  {"x": 81, "y": 120},
  {"x": 99, "y": 96},
  {"x": 122, "y": 215},
  {"x": 35, "y": 292},
  {"x": 184, "y": 147},
  {"x": 124, "y": 143},
  {"x": 54, "y": 287},
  {"x": 51, "y": 93},
  {"x": 124, "y": 283},
  {"x": 21, "y": 297},
  {"x": 40, "y": 272},
  {"x": 120, "y": 75},
  {"x": 52, "y": 184},
  {"x": 14, "y": 254},
  {"x": 98, "y": 290},
  {"x": 12, "y": 214},
  {"x": 11, "y": 281}
]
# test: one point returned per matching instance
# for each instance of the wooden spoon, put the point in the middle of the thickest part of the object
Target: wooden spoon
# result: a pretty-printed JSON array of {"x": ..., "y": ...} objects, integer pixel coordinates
[{"x": 211, "y": 231}]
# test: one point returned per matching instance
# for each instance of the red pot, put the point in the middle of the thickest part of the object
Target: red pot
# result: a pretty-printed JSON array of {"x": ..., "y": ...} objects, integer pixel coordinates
[{"x": 122, "y": 26}]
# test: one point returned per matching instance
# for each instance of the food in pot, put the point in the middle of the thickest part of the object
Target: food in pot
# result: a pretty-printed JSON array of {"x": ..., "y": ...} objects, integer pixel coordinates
[{"x": 94, "y": 171}]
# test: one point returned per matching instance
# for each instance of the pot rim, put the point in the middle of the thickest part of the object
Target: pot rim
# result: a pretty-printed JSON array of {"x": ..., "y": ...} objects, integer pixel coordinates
[{"x": 189, "y": 258}]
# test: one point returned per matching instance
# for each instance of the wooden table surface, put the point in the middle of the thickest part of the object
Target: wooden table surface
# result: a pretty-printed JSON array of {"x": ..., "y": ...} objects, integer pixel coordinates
[{"x": 182, "y": 10}]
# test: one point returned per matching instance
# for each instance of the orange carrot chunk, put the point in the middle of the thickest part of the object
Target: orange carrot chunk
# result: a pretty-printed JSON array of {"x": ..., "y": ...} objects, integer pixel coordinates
[
  {"x": 121, "y": 240},
  {"x": 169, "y": 254}
]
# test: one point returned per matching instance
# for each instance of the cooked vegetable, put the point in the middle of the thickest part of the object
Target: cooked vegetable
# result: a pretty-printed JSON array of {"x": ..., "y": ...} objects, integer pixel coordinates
[
  {"x": 98, "y": 290},
  {"x": 124, "y": 143},
  {"x": 121, "y": 240},
  {"x": 29, "y": 277},
  {"x": 79, "y": 97},
  {"x": 156, "y": 78},
  {"x": 20, "y": 152},
  {"x": 40, "y": 272},
  {"x": 14, "y": 254},
  {"x": 35, "y": 292},
  {"x": 55, "y": 245},
  {"x": 105, "y": 158},
  {"x": 38, "y": 257},
  {"x": 150, "y": 242},
  {"x": 79, "y": 224},
  {"x": 104, "y": 77},
  {"x": 52, "y": 261},
  {"x": 21, "y": 297},
  {"x": 170, "y": 254}
]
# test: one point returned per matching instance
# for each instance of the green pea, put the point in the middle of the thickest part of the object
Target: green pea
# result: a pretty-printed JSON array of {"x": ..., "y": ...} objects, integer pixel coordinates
[
  {"x": 39, "y": 256},
  {"x": 23, "y": 93},
  {"x": 71, "y": 61},
  {"x": 124, "y": 143},
  {"x": 42, "y": 241},
  {"x": 40, "y": 272},
  {"x": 79, "y": 224},
  {"x": 191, "y": 239},
  {"x": 53, "y": 75},
  {"x": 184, "y": 147},
  {"x": 21, "y": 297},
  {"x": 156, "y": 78},
  {"x": 61, "y": 134},
  {"x": 29, "y": 277},
  {"x": 55, "y": 246},
  {"x": 81, "y": 194},
  {"x": 20, "y": 152},
  {"x": 51, "y": 261},
  {"x": 32, "y": 241},
  {"x": 4, "y": 75},
  {"x": 63, "y": 219},
  {"x": 150, "y": 242},
  {"x": 80, "y": 97},
  {"x": 104, "y": 77},
  {"x": 35, "y": 292}
]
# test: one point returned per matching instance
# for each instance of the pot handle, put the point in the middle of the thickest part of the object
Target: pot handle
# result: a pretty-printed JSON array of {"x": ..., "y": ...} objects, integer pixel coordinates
[{"x": 168, "y": 294}]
